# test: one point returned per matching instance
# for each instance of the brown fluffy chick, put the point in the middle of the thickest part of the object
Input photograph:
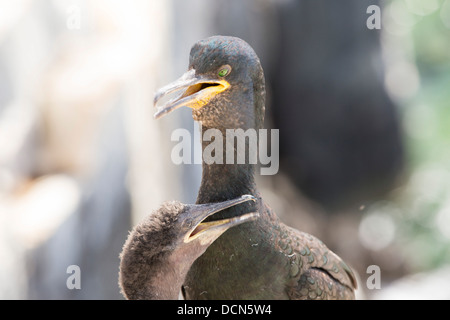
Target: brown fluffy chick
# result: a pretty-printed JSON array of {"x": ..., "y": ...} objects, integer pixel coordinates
[{"x": 161, "y": 249}]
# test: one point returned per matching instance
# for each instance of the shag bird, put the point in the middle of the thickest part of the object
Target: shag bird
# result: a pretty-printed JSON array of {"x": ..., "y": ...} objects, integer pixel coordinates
[
  {"x": 262, "y": 259},
  {"x": 160, "y": 250}
]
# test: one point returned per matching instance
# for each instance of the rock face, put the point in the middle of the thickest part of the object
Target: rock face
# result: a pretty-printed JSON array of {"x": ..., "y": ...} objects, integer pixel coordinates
[{"x": 78, "y": 163}]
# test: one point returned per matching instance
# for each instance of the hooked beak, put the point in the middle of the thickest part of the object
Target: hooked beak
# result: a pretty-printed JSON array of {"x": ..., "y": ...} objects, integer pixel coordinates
[
  {"x": 211, "y": 230},
  {"x": 199, "y": 90}
]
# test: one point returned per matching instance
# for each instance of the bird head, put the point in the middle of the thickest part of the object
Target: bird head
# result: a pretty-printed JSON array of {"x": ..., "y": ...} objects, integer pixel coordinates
[
  {"x": 224, "y": 85},
  {"x": 180, "y": 231}
]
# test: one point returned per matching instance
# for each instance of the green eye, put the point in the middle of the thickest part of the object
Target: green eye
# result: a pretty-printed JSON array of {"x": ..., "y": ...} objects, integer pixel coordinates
[{"x": 224, "y": 71}]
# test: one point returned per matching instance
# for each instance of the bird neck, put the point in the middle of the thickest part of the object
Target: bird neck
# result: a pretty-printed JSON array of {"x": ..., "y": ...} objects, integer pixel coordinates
[
  {"x": 165, "y": 283},
  {"x": 158, "y": 277},
  {"x": 223, "y": 180}
]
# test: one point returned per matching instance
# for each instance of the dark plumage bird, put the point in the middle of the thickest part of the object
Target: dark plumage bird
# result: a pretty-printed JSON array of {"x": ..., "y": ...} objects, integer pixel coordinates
[
  {"x": 262, "y": 259},
  {"x": 160, "y": 250}
]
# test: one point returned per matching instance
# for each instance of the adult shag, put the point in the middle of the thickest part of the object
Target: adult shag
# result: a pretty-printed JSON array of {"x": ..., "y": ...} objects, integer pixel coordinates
[
  {"x": 262, "y": 259},
  {"x": 160, "y": 250}
]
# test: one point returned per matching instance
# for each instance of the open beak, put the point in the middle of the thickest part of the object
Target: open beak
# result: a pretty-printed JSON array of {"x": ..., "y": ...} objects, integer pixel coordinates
[
  {"x": 198, "y": 91},
  {"x": 211, "y": 230}
]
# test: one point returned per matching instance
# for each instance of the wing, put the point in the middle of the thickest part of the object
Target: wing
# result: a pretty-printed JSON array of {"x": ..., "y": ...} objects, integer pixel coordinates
[{"x": 322, "y": 274}]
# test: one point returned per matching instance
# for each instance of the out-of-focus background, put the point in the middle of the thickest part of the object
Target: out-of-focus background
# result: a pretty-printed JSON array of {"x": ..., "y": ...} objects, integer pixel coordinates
[{"x": 363, "y": 114}]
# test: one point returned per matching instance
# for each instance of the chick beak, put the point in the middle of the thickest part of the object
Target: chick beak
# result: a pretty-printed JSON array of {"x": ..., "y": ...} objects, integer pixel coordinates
[{"x": 211, "y": 230}]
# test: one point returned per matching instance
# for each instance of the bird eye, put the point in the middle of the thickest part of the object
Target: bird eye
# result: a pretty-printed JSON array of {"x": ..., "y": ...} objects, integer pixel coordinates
[{"x": 224, "y": 71}]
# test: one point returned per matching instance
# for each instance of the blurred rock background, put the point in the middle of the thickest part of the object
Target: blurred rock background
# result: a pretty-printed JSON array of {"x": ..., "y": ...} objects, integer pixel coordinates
[{"x": 363, "y": 115}]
